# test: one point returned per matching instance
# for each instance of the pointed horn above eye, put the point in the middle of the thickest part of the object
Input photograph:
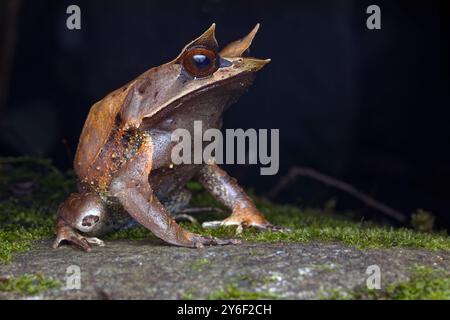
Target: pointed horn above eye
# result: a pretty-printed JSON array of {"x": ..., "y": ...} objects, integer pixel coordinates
[
  {"x": 207, "y": 39},
  {"x": 238, "y": 47}
]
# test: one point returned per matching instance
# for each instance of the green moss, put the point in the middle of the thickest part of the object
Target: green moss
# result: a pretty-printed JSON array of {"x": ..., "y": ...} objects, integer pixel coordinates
[
  {"x": 199, "y": 264},
  {"x": 314, "y": 224},
  {"x": 242, "y": 287},
  {"x": 322, "y": 225},
  {"x": 137, "y": 233},
  {"x": 190, "y": 294},
  {"x": 31, "y": 190},
  {"x": 334, "y": 294},
  {"x": 20, "y": 239},
  {"x": 424, "y": 283},
  {"x": 28, "y": 284},
  {"x": 233, "y": 292},
  {"x": 246, "y": 286}
]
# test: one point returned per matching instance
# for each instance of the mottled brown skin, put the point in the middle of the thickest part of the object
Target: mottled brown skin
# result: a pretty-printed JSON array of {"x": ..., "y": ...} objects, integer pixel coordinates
[{"x": 123, "y": 158}]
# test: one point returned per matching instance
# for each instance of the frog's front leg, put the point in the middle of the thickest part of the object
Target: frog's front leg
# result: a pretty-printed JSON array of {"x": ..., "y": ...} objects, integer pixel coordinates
[
  {"x": 134, "y": 192},
  {"x": 69, "y": 234},
  {"x": 227, "y": 191},
  {"x": 80, "y": 215}
]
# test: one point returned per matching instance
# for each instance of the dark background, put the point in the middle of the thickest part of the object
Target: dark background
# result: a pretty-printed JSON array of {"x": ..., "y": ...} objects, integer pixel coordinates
[{"x": 368, "y": 107}]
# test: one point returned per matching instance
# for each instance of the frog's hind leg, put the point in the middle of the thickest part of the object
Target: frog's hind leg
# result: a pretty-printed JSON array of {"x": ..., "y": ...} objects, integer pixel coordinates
[
  {"x": 177, "y": 203},
  {"x": 132, "y": 189},
  {"x": 226, "y": 190}
]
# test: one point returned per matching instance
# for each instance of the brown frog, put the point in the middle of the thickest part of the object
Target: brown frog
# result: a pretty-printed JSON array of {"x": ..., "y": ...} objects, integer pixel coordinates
[{"x": 123, "y": 159}]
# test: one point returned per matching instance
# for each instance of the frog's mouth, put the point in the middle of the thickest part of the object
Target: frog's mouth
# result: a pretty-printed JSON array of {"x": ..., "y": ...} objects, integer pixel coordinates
[
  {"x": 239, "y": 82},
  {"x": 233, "y": 87}
]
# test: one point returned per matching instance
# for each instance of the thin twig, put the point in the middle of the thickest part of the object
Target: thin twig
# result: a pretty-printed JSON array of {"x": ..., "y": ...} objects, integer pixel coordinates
[{"x": 296, "y": 172}]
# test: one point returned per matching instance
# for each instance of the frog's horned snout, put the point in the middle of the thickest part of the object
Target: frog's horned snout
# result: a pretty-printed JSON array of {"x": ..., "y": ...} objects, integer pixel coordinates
[
  {"x": 257, "y": 64},
  {"x": 249, "y": 64},
  {"x": 83, "y": 212}
]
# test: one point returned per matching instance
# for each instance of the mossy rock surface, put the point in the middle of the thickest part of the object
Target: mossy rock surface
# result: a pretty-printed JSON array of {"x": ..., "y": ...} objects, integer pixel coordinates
[
  {"x": 149, "y": 269},
  {"x": 325, "y": 256}
]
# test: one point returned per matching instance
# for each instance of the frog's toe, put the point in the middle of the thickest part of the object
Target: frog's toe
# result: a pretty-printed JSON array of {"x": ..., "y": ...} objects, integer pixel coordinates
[
  {"x": 201, "y": 241},
  {"x": 76, "y": 240},
  {"x": 69, "y": 235},
  {"x": 95, "y": 241},
  {"x": 243, "y": 224}
]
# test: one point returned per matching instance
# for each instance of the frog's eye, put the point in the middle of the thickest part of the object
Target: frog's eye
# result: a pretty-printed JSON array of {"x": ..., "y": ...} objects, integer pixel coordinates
[{"x": 200, "y": 62}]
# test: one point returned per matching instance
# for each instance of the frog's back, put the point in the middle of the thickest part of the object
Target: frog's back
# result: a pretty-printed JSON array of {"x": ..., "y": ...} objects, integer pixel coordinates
[{"x": 97, "y": 129}]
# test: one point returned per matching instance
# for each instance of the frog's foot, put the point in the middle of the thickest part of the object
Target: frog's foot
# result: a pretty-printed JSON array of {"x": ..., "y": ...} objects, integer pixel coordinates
[
  {"x": 201, "y": 241},
  {"x": 68, "y": 234},
  {"x": 245, "y": 218}
]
